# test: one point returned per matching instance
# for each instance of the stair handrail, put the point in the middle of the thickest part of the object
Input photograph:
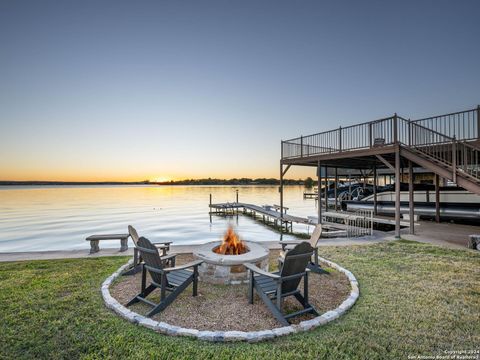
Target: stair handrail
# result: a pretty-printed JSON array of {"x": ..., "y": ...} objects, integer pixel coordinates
[{"x": 467, "y": 159}]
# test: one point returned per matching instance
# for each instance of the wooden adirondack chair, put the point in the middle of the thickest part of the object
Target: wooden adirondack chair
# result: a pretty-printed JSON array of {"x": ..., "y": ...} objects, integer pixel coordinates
[
  {"x": 279, "y": 285},
  {"x": 137, "y": 259},
  {"x": 172, "y": 279},
  {"x": 314, "y": 238}
]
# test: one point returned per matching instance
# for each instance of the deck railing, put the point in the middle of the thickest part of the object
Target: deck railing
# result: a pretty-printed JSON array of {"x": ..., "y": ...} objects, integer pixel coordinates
[
  {"x": 462, "y": 125},
  {"x": 436, "y": 130},
  {"x": 354, "y": 137},
  {"x": 446, "y": 139}
]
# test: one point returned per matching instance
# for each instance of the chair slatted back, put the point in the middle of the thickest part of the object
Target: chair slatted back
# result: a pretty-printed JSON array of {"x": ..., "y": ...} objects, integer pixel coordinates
[
  {"x": 151, "y": 257},
  {"x": 133, "y": 234},
  {"x": 296, "y": 261},
  {"x": 316, "y": 235}
]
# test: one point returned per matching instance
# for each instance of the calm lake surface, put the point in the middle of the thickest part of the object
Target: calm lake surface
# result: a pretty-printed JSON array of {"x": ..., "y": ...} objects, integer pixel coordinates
[{"x": 35, "y": 218}]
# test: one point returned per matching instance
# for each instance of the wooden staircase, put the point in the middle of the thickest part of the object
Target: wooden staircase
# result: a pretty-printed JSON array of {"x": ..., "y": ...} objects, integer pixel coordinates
[{"x": 458, "y": 161}]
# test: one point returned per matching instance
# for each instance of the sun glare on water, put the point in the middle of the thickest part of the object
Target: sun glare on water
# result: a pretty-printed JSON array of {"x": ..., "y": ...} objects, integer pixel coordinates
[{"x": 160, "y": 179}]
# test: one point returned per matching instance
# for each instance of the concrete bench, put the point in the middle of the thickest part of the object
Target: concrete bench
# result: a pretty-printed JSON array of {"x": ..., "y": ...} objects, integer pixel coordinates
[
  {"x": 95, "y": 239},
  {"x": 474, "y": 242}
]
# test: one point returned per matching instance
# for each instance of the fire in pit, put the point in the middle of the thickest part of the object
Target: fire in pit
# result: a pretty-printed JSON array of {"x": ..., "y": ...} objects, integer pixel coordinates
[
  {"x": 223, "y": 260},
  {"x": 231, "y": 244}
]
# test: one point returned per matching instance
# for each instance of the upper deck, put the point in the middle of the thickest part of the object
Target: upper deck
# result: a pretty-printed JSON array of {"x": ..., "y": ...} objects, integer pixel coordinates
[{"x": 349, "y": 146}]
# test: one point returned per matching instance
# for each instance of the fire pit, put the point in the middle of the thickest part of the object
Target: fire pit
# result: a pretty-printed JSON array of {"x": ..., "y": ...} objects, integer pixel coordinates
[{"x": 223, "y": 259}]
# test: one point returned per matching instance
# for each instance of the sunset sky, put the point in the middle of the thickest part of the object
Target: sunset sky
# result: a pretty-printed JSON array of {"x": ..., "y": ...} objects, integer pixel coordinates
[{"x": 134, "y": 90}]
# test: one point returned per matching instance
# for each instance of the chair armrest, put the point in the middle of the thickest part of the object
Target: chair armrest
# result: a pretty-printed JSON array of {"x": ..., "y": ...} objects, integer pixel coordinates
[
  {"x": 259, "y": 271},
  {"x": 161, "y": 246},
  {"x": 285, "y": 243},
  {"x": 163, "y": 243},
  {"x": 181, "y": 267},
  {"x": 168, "y": 257},
  {"x": 290, "y": 242}
]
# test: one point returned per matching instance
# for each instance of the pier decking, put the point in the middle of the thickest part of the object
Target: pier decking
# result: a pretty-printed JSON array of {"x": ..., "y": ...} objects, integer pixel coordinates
[
  {"x": 334, "y": 220},
  {"x": 268, "y": 213}
]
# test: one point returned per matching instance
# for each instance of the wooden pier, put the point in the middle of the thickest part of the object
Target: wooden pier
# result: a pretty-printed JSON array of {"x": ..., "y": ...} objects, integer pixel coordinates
[
  {"x": 310, "y": 195},
  {"x": 268, "y": 214}
]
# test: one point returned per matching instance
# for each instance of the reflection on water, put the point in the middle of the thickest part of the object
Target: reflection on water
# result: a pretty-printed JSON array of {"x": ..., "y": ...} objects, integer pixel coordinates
[{"x": 61, "y": 217}]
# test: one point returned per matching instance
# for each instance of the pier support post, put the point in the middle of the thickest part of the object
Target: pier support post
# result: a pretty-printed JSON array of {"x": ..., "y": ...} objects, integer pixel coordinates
[
  {"x": 280, "y": 189},
  {"x": 411, "y": 201},
  {"x": 397, "y": 193},
  {"x": 210, "y": 209},
  {"x": 319, "y": 186},
  {"x": 437, "y": 199}
]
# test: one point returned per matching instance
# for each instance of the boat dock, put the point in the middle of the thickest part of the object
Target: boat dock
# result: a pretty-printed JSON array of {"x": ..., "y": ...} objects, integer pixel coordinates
[{"x": 270, "y": 214}]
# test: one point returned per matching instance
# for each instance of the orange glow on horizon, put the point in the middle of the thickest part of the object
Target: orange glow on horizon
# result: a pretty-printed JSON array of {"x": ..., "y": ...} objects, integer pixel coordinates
[{"x": 88, "y": 171}]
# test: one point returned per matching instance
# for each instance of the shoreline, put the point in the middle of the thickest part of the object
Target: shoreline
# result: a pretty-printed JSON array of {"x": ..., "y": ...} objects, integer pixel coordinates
[
  {"x": 200, "y": 182},
  {"x": 178, "y": 249},
  {"x": 453, "y": 236}
]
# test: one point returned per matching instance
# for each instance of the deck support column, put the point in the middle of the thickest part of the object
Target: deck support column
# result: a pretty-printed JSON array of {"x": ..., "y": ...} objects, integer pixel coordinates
[
  {"x": 375, "y": 189},
  {"x": 335, "y": 191},
  {"x": 397, "y": 193},
  {"x": 349, "y": 186},
  {"x": 437, "y": 199},
  {"x": 326, "y": 189},
  {"x": 411, "y": 202},
  {"x": 319, "y": 192}
]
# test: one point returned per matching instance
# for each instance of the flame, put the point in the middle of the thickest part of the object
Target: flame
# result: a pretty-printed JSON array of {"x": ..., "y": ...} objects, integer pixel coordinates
[{"x": 231, "y": 244}]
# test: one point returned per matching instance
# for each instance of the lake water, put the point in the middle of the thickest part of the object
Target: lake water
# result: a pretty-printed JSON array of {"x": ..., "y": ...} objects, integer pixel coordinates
[{"x": 35, "y": 218}]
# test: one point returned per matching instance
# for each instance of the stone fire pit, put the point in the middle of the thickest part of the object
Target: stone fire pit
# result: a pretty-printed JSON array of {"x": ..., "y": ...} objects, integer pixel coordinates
[{"x": 228, "y": 269}]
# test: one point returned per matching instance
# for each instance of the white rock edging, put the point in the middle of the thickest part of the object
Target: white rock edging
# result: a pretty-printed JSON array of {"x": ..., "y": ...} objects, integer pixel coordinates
[{"x": 227, "y": 336}]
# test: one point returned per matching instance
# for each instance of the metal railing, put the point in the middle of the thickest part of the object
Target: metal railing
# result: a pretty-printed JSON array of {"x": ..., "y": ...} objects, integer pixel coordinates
[
  {"x": 360, "y": 223},
  {"x": 466, "y": 159},
  {"x": 434, "y": 137},
  {"x": 431, "y": 143},
  {"x": 462, "y": 125},
  {"x": 354, "y": 137}
]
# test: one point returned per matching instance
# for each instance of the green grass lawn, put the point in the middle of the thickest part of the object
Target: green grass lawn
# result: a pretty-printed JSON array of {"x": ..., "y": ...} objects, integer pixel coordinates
[{"x": 415, "y": 299}]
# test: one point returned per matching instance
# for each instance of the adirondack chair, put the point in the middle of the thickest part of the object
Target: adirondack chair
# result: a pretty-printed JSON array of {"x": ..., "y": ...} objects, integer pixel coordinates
[
  {"x": 279, "y": 285},
  {"x": 289, "y": 244},
  {"x": 172, "y": 279},
  {"x": 137, "y": 259}
]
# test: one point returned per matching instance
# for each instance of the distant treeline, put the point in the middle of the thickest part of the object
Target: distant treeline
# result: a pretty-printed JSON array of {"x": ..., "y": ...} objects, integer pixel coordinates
[
  {"x": 7, "y": 182},
  {"x": 209, "y": 181},
  {"x": 234, "y": 181}
]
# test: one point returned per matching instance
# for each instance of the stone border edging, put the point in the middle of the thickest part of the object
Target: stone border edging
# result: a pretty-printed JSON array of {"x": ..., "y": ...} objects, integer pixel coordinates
[{"x": 228, "y": 336}]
